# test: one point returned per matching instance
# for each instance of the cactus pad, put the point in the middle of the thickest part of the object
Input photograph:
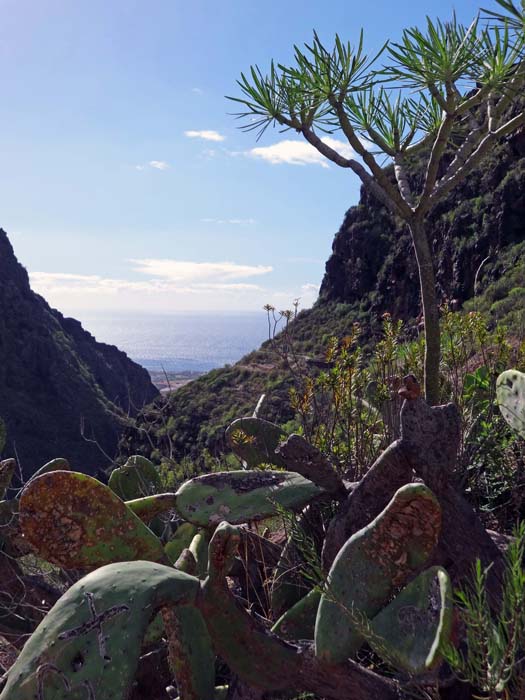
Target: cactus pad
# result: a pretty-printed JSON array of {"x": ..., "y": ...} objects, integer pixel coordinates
[
  {"x": 241, "y": 496},
  {"x": 510, "y": 392},
  {"x": 88, "y": 646},
  {"x": 179, "y": 541},
  {"x": 7, "y": 470},
  {"x": 254, "y": 441},
  {"x": 299, "y": 621},
  {"x": 74, "y": 521},
  {"x": 149, "y": 507},
  {"x": 137, "y": 478},
  {"x": 371, "y": 565},
  {"x": 413, "y": 627}
]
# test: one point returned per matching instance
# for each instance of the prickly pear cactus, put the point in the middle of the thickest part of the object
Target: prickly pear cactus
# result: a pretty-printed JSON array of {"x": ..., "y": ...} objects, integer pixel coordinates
[
  {"x": 510, "y": 393},
  {"x": 88, "y": 646},
  {"x": 411, "y": 630},
  {"x": 372, "y": 564},
  {"x": 299, "y": 621},
  {"x": 149, "y": 507},
  {"x": 7, "y": 470},
  {"x": 137, "y": 478},
  {"x": 73, "y": 520},
  {"x": 254, "y": 441},
  {"x": 241, "y": 496},
  {"x": 57, "y": 464},
  {"x": 180, "y": 540}
]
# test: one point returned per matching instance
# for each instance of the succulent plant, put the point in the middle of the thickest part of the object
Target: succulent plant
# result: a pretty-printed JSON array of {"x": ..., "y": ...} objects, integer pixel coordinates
[
  {"x": 372, "y": 564},
  {"x": 7, "y": 470},
  {"x": 138, "y": 477},
  {"x": 75, "y": 521},
  {"x": 240, "y": 496},
  {"x": 89, "y": 643},
  {"x": 411, "y": 630},
  {"x": 377, "y": 590},
  {"x": 510, "y": 393},
  {"x": 254, "y": 441}
]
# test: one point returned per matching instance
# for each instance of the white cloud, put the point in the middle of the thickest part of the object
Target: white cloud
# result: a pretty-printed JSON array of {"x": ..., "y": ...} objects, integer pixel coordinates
[
  {"x": 197, "y": 91},
  {"x": 182, "y": 270},
  {"x": 164, "y": 275},
  {"x": 207, "y": 135},
  {"x": 235, "y": 222},
  {"x": 159, "y": 164},
  {"x": 156, "y": 164},
  {"x": 296, "y": 152},
  {"x": 166, "y": 285}
]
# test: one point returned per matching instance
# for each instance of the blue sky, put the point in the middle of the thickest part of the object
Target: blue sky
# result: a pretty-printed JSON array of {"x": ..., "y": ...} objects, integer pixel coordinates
[{"x": 124, "y": 182}]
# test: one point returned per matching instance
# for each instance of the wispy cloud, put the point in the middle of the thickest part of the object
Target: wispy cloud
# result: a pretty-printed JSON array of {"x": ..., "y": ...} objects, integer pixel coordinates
[
  {"x": 235, "y": 222},
  {"x": 197, "y": 90},
  {"x": 159, "y": 164},
  {"x": 206, "y": 134},
  {"x": 294, "y": 152},
  {"x": 156, "y": 164},
  {"x": 183, "y": 270},
  {"x": 164, "y": 280}
]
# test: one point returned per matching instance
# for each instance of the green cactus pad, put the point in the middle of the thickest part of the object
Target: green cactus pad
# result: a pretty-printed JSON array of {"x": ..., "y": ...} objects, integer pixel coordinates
[
  {"x": 199, "y": 549},
  {"x": 299, "y": 621},
  {"x": 510, "y": 393},
  {"x": 54, "y": 465},
  {"x": 180, "y": 540},
  {"x": 88, "y": 646},
  {"x": 149, "y": 507},
  {"x": 74, "y": 521},
  {"x": 255, "y": 440},
  {"x": 371, "y": 565},
  {"x": 7, "y": 470},
  {"x": 137, "y": 478},
  {"x": 241, "y": 496},
  {"x": 410, "y": 631}
]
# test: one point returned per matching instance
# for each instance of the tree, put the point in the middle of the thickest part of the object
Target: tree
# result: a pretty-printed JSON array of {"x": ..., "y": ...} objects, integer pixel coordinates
[{"x": 447, "y": 94}]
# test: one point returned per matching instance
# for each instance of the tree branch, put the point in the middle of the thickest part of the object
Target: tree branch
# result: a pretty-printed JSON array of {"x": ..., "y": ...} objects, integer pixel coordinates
[
  {"x": 446, "y": 184},
  {"x": 438, "y": 149},
  {"x": 402, "y": 180},
  {"x": 354, "y": 165},
  {"x": 379, "y": 174}
]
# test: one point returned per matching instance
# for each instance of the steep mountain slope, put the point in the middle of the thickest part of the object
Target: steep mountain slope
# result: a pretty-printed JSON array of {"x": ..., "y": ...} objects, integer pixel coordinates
[
  {"x": 477, "y": 236},
  {"x": 55, "y": 376}
]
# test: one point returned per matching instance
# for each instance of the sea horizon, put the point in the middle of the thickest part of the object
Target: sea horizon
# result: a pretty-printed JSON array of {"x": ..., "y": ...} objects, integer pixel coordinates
[{"x": 179, "y": 341}]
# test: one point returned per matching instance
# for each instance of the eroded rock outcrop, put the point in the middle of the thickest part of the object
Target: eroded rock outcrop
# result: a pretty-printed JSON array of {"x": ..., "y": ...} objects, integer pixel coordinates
[{"x": 54, "y": 376}]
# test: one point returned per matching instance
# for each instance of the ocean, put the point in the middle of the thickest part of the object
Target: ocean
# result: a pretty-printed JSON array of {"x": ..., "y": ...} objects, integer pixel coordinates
[{"x": 181, "y": 342}]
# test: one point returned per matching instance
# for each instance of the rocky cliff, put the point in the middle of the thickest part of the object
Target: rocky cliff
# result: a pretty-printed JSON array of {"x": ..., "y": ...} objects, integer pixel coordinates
[
  {"x": 55, "y": 377},
  {"x": 372, "y": 262}
]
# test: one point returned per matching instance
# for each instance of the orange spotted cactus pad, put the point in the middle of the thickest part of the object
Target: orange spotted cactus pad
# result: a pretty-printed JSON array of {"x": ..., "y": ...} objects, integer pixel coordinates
[
  {"x": 76, "y": 522},
  {"x": 373, "y": 563}
]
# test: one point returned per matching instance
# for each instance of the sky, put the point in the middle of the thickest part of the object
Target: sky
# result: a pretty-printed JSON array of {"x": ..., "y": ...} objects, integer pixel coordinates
[{"x": 125, "y": 182}]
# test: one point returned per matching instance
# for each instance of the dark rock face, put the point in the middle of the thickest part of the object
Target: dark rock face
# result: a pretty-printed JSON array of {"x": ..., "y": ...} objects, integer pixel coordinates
[
  {"x": 54, "y": 376},
  {"x": 372, "y": 261}
]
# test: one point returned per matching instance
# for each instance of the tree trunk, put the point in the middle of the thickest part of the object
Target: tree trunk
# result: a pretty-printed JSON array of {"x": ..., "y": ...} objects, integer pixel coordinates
[{"x": 427, "y": 282}]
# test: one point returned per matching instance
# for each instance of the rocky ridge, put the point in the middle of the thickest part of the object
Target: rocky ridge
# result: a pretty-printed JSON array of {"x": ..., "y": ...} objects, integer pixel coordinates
[{"x": 57, "y": 381}]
